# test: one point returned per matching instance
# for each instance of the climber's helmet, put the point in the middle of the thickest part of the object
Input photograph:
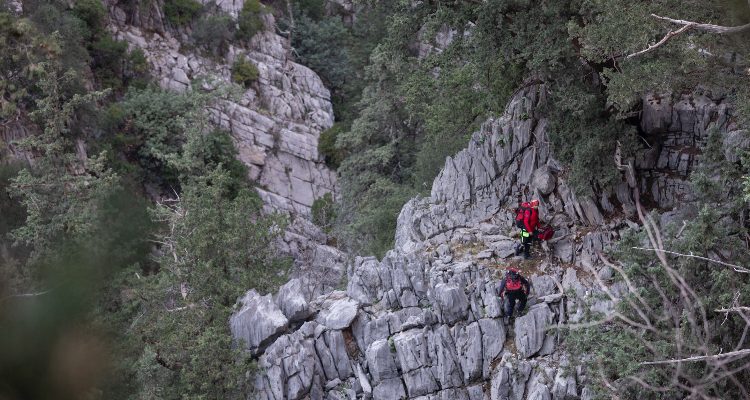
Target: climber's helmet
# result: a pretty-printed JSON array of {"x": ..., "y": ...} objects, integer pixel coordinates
[{"x": 534, "y": 203}]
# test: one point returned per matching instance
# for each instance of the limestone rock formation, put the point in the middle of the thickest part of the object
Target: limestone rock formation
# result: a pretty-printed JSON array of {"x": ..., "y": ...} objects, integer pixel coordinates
[
  {"x": 676, "y": 132},
  {"x": 275, "y": 123},
  {"x": 429, "y": 322},
  {"x": 257, "y": 321},
  {"x": 426, "y": 321}
]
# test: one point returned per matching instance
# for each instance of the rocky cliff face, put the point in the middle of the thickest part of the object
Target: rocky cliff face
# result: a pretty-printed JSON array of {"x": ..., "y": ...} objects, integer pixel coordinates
[
  {"x": 275, "y": 124},
  {"x": 426, "y": 321}
]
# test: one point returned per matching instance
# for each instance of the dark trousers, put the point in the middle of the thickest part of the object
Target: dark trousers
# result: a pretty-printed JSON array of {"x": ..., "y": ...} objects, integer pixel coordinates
[
  {"x": 526, "y": 241},
  {"x": 513, "y": 297}
]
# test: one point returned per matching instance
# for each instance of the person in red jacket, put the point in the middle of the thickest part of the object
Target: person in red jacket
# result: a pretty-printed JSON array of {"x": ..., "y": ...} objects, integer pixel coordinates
[
  {"x": 517, "y": 288},
  {"x": 530, "y": 223}
]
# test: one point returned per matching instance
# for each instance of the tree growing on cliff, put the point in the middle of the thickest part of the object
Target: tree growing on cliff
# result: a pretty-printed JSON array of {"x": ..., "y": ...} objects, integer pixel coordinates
[
  {"x": 181, "y": 311},
  {"x": 61, "y": 190}
]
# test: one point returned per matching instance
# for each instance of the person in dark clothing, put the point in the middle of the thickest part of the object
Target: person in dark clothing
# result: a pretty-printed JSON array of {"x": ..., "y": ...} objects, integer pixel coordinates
[{"x": 516, "y": 287}]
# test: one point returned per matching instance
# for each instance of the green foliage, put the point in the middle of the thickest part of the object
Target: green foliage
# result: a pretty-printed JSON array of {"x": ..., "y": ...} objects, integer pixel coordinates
[
  {"x": 324, "y": 212},
  {"x": 314, "y": 9},
  {"x": 84, "y": 240},
  {"x": 61, "y": 191},
  {"x": 108, "y": 56},
  {"x": 416, "y": 111},
  {"x": 72, "y": 34},
  {"x": 93, "y": 13},
  {"x": 214, "y": 32},
  {"x": 181, "y": 12},
  {"x": 249, "y": 20},
  {"x": 136, "y": 72},
  {"x": 244, "y": 72},
  {"x": 12, "y": 276},
  {"x": 190, "y": 352},
  {"x": 682, "y": 64},
  {"x": 580, "y": 132},
  {"x": 20, "y": 38},
  {"x": 617, "y": 349},
  {"x": 323, "y": 47},
  {"x": 170, "y": 137},
  {"x": 327, "y": 145}
]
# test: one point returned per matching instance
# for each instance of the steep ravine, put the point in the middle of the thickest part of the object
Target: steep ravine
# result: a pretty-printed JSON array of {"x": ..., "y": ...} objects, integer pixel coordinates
[{"x": 425, "y": 321}]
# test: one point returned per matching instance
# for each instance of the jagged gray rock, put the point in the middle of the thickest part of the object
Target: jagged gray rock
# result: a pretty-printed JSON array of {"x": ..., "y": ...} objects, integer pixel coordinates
[
  {"x": 293, "y": 300},
  {"x": 257, "y": 321},
  {"x": 389, "y": 389},
  {"x": 275, "y": 123},
  {"x": 531, "y": 329},
  {"x": 381, "y": 362},
  {"x": 544, "y": 181},
  {"x": 452, "y": 304},
  {"x": 340, "y": 314}
]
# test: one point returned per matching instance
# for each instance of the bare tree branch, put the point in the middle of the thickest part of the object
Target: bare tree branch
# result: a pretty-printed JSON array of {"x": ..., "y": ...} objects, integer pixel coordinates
[
  {"x": 737, "y": 268},
  {"x": 739, "y": 353},
  {"x": 660, "y": 43},
  {"x": 24, "y": 295},
  {"x": 711, "y": 28},
  {"x": 687, "y": 25},
  {"x": 733, "y": 309}
]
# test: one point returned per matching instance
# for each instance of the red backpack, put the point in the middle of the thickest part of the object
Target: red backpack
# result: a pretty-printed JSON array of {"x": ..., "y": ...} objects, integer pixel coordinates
[
  {"x": 546, "y": 233},
  {"x": 511, "y": 284},
  {"x": 521, "y": 214}
]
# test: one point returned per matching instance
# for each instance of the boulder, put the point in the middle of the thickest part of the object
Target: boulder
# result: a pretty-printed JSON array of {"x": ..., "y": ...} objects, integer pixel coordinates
[
  {"x": 451, "y": 302},
  {"x": 257, "y": 322},
  {"x": 293, "y": 301},
  {"x": 340, "y": 314},
  {"x": 381, "y": 362},
  {"x": 530, "y": 330},
  {"x": 389, "y": 389},
  {"x": 544, "y": 181}
]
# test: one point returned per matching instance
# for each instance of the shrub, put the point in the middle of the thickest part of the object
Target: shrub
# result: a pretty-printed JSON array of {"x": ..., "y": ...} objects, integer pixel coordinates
[
  {"x": 213, "y": 33},
  {"x": 324, "y": 212},
  {"x": 315, "y": 9},
  {"x": 244, "y": 72},
  {"x": 327, "y": 146},
  {"x": 249, "y": 19},
  {"x": 92, "y": 12},
  {"x": 181, "y": 12},
  {"x": 137, "y": 69},
  {"x": 108, "y": 56},
  {"x": 322, "y": 46}
]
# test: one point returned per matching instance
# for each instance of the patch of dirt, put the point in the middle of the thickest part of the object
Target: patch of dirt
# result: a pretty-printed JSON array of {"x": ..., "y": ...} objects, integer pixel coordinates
[
  {"x": 351, "y": 344},
  {"x": 510, "y": 345}
]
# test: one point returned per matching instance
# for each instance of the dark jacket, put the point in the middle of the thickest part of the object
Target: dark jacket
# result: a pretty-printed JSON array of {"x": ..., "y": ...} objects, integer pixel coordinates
[{"x": 525, "y": 286}]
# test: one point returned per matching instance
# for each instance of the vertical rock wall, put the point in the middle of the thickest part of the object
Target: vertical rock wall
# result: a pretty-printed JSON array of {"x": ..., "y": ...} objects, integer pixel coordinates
[
  {"x": 275, "y": 124},
  {"x": 277, "y": 121}
]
